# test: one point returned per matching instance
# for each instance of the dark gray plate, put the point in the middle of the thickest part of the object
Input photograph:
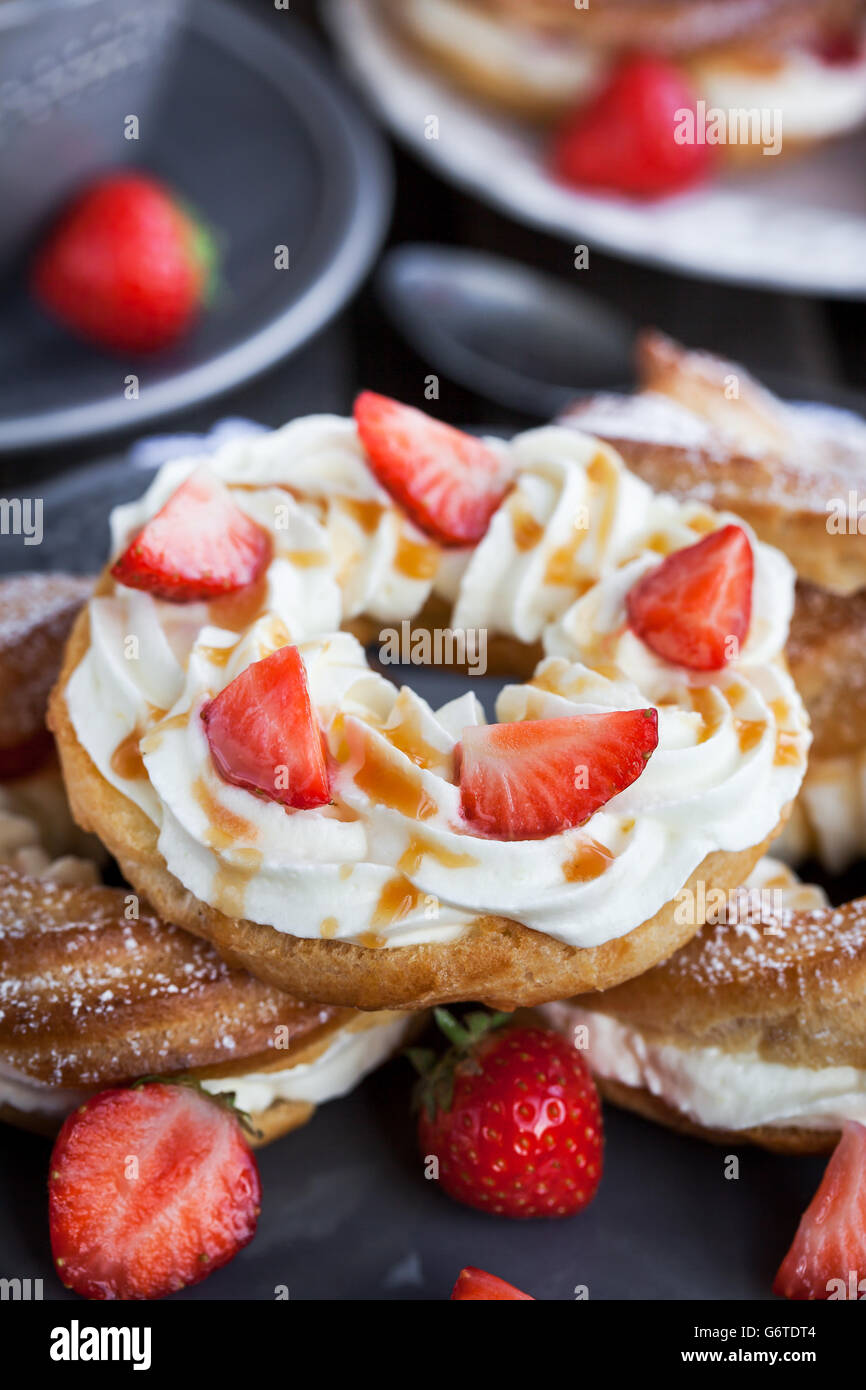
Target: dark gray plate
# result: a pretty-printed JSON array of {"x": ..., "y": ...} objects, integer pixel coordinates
[
  {"x": 260, "y": 136},
  {"x": 347, "y": 1213}
]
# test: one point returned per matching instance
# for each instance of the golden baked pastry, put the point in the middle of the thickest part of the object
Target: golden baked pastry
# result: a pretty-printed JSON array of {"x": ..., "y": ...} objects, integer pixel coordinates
[
  {"x": 98, "y": 992},
  {"x": 755, "y": 1031}
]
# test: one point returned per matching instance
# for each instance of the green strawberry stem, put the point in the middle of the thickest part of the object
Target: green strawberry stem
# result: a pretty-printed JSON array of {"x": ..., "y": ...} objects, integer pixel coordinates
[
  {"x": 434, "y": 1089},
  {"x": 224, "y": 1099}
]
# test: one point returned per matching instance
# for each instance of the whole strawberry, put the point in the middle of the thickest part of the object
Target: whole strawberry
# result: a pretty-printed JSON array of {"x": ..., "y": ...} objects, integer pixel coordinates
[
  {"x": 625, "y": 139},
  {"x": 512, "y": 1116},
  {"x": 124, "y": 266}
]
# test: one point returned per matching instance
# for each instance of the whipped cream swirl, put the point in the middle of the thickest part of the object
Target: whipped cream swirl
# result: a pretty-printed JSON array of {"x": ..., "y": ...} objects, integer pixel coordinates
[{"x": 391, "y": 861}]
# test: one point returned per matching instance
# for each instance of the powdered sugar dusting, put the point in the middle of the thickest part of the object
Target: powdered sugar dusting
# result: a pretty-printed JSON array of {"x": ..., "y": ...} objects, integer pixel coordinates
[
  {"x": 88, "y": 997},
  {"x": 810, "y": 945}
]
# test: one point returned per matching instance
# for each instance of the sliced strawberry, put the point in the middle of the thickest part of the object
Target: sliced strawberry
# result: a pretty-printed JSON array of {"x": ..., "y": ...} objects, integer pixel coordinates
[
  {"x": 198, "y": 546},
  {"x": 694, "y": 608},
  {"x": 449, "y": 483},
  {"x": 830, "y": 1244},
  {"x": 531, "y": 779},
  {"x": 263, "y": 733},
  {"x": 624, "y": 139},
  {"x": 480, "y": 1286},
  {"x": 150, "y": 1189}
]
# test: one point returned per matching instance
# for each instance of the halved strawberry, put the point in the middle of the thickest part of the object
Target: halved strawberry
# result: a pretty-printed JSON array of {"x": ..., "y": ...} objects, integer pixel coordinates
[
  {"x": 449, "y": 483},
  {"x": 150, "y": 1189},
  {"x": 531, "y": 779},
  {"x": 198, "y": 546},
  {"x": 694, "y": 608},
  {"x": 478, "y": 1285},
  {"x": 263, "y": 733},
  {"x": 629, "y": 137},
  {"x": 830, "y": 1244}
]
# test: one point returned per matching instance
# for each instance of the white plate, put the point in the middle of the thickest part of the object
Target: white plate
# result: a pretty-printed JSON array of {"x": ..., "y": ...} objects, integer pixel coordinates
[{"x": 798, "y": 224}]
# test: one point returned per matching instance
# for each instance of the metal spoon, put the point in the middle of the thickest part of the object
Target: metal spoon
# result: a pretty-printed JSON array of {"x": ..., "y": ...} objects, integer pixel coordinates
[{"x": 509, "y": 333}]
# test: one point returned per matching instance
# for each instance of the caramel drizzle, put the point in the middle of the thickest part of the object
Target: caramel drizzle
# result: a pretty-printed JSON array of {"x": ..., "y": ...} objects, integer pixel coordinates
[
  {"x": 218, "y": 656},
  {"x": 407, "y": 736},
  {"x": 225, "y": 827},
  {"x": 416, "y": 559},
  {"x": 126, "y": 760},
  {"x": 308, "y": 559},
  {"x": 397, "y": 900},
  {"x": 230, "y": 881},
  {"x": 526, "y": 530},
  {"x": 367, "y": 514},
  {"x": 389, "y": 785},
  {"x": 419, "y": 847},
  {"x": 589, "y": 861}
]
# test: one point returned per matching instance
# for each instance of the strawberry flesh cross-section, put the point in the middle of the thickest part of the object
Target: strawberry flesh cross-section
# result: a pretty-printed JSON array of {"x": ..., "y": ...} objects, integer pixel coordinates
[
  {"x": 199, "y": 546},
  {"x": 694, "y": 609},
  {"x": 263, "y": 734},
  {"x": 535, "y": 778},
  {"x": 448, "y": 482}
]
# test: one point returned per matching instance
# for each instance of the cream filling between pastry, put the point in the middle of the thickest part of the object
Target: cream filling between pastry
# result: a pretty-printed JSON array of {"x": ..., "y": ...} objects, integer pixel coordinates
[
  {"x": 348, "y": 1058},
  {"x": 716, "y": 1089}
]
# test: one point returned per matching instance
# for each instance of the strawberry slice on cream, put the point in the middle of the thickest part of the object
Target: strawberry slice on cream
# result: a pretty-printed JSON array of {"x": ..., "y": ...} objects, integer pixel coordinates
[
  {"x": 448, "y": 482},
  {"x": 263, "y": 734},
  {"x": 694, "y": 609},
  {"x": 536, "y": 777},
  {"x": 199, "y": 546}
]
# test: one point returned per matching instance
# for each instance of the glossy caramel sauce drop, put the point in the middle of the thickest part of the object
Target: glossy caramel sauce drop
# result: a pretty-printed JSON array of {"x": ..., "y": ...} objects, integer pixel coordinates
[
  {"x": 418, "y": 847},
  {"x": 398, "y": 898},
  {"x": 563, "y": 568},
  {"x": 603, "y": 477},
  {"x": 126, "y": 760},
  {"x": 218, "y": 656},
  {"x": 526, "y": 530},
  {"x": 407, "y": 735},
  {"x": 366, "y": 514},
  {"x": 749, "y": 733},
  {"x": 589, "y": 861},
  {"x": 308, "y": 559},
  {"x": 781, "y": 712},
  {"x": 705, "y": 704},
  {"x": 660, "y": 543},
  {"x": 390, "y": 785},
  {"x": 151, "y": 741},
  {"x": 788, "y": 750},
  {"x": 225, "y": 827},
  {"x": 734, "y": 693},
  {"x": 416, "y": 559}
]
